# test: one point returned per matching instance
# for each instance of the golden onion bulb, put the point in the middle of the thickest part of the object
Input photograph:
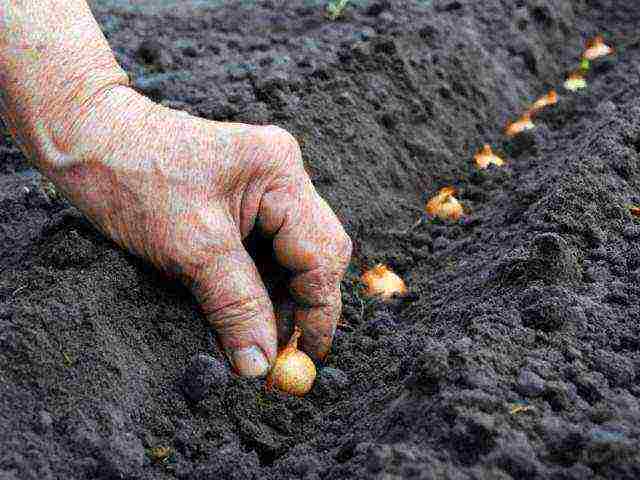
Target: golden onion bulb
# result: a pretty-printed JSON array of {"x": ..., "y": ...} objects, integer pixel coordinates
[
  {"x": 444, "y": 205},
  {"x": 575, "y": 81},
  {"x": 293, "y": 371},
  {"x": 382, "y": 281},
  {"x": 520, "y": 125},
  {"x": 486, "y": 157},
  {"x": 596, "y": 48},
  {"x": 550, "y": 98}
]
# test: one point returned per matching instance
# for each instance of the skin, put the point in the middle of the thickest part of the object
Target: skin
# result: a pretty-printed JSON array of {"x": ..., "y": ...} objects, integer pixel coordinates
[{"x": 178, "y": 190}]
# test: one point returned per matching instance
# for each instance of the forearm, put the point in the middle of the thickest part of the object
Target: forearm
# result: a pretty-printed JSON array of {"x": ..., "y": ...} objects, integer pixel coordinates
[{"x": 54, "y": 61}]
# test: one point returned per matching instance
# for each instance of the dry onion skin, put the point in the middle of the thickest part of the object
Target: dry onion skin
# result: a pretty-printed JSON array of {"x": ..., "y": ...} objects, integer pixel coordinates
[
  {"x": 381, "y": 281},
  {"x": 575, "y": 81},
  {"x": 520, "y": 125},
  {"x": 444, "y": 205},
  {"x": 293, "y": 371},
  {"x": 486, "y": 157},
  {"x": 596, "y": 48},
  {"x": 635, "y": 211},
  {"x": 550, "y": 98}
]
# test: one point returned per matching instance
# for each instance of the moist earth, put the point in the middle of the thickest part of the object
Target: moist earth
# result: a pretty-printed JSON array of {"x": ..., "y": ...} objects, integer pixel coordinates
[{"x": 516, "y": 353}]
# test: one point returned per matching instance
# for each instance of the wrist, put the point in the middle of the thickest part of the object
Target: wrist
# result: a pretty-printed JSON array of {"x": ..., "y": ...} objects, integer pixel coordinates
[
  {"x": 98, "y": 141},
  {"x": 45, "y": 123},
  {"x": 94, "y": 164},
  {"x": 54, "y": 60},
  {"x": 57, "y": 131}
]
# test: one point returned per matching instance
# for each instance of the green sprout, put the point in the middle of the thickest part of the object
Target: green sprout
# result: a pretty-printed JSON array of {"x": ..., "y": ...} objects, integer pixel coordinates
[
  {"x": 68, "y": 360},
  {"x": 584, "y": 65},
  {"x": 336, "y": 7}
]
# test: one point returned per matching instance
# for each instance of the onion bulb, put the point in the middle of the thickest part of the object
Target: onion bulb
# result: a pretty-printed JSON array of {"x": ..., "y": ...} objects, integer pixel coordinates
[
  {"x": 635, "y": 211},
  {"x": 382, "y": 281},
  {"x": 444, "y": 205},
  {"x": 596, "y": 48},
  {"x": 486, "y": 157},
  {"x": 520, "y": 125},
  {"x": 293, "y": 371},
  {"x": 575, "y": 81},
  {"x": 550, "y": 98}
]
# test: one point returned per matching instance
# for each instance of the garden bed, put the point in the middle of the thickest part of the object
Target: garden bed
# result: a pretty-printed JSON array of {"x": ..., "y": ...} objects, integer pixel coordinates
[{"x": 516, "y": 354}]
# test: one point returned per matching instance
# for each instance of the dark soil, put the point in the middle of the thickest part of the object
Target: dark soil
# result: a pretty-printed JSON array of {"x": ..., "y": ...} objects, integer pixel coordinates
[{"x": 532, "y": 301}]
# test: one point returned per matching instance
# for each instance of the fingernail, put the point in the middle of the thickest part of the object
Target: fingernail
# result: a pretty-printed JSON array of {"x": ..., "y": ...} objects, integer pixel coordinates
[{"x": 250, "y": 362}]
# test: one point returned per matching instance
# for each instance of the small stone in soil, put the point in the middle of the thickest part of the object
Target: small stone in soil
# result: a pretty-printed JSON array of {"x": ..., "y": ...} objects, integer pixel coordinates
[
  {"x": 203, "y": 376},
  {"x": 529, "y": 383}
]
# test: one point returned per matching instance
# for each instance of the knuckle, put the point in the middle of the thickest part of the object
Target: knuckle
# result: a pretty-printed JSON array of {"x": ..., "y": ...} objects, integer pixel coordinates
[
  {"x": 286, "y": 146},
  {"x": 318, "y": 287},
  {"x": 283, "y": 136}
]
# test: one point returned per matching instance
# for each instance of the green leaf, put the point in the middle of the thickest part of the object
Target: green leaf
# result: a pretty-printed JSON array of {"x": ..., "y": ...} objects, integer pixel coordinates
[
  {"x": 336, "y": 7},
  {"x": 584, "y": 64}
]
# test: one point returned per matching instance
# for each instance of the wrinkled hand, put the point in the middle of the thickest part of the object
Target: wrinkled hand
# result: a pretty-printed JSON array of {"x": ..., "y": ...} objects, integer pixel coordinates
[{"x": 183, "y": 192}]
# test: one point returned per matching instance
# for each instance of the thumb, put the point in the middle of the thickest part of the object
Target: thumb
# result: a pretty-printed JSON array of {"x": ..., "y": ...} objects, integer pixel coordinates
[{"x": 236, "y": 303}]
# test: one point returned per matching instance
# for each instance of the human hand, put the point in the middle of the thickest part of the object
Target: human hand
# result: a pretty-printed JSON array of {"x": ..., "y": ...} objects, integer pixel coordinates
[{"x": 183, "y": 192}]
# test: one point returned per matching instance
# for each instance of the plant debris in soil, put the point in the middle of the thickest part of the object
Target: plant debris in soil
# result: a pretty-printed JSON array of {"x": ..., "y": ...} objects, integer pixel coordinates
[{"x": 515, "y": 355}]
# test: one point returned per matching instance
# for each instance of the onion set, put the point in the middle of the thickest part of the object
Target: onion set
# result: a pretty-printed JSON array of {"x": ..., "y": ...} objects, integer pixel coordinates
[
  {"x": 520, "y": 125},
  {"x": 293, "y": 371},
  {"x": 486, "y": 157},
  {"x": 444, "y": 205},
  {"x": 596, "y": 48},
  {"x": 550, "y": 98},
  {"x": 381, "y": 281},
  {"x": 575, "y": 81}
]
